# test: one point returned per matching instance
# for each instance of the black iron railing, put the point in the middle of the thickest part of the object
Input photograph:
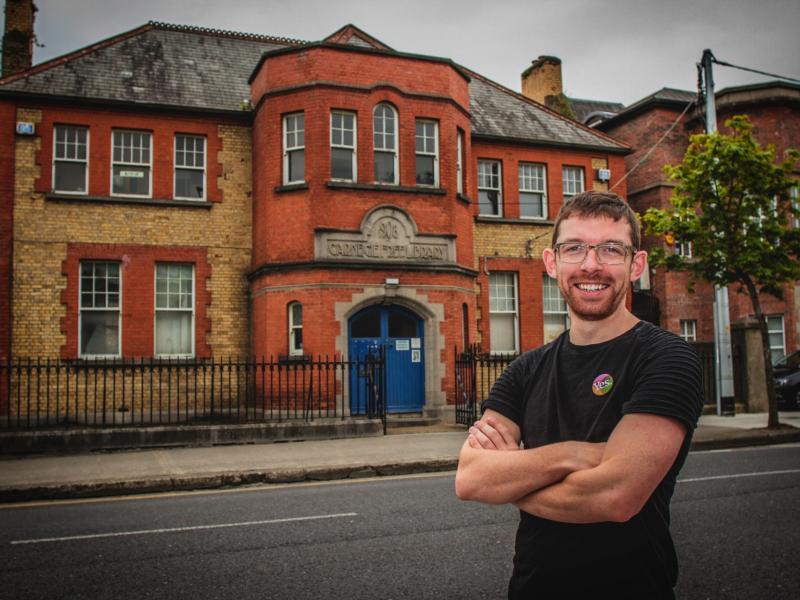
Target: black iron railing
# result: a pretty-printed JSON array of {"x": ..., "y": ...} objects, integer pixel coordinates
[
  {"x": 41, "y": 393},
  {"x": 476, "y": 372}
]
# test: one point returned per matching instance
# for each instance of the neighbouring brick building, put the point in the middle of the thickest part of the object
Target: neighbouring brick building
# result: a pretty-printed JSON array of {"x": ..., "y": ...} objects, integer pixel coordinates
[
  {"x": 774, "y": 110},
  {"x": 183, "y": 192}
]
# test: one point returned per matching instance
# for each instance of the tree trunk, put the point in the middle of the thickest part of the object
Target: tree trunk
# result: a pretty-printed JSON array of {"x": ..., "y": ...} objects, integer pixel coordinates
[{"x": 772, "y": 403}]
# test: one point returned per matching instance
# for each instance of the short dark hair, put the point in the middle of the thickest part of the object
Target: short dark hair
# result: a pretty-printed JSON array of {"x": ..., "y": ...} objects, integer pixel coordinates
[{"x": 599, "y": 204}]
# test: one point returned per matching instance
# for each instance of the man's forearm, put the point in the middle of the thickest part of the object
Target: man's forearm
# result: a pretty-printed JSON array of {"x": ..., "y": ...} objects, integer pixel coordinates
[
  {"x": 498, "y": 477},
  {"x": 638, "y": 456},
  {"x": 587, "y": 496}
]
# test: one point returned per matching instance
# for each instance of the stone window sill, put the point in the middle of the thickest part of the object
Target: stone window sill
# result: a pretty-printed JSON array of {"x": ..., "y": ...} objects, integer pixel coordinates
[
  {"x": 377, "y": 187},
  {"x": 291, "y": 187}
]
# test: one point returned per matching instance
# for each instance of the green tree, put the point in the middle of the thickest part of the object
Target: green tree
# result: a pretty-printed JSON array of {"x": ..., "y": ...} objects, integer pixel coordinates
[{"x": 733, "y": 203}]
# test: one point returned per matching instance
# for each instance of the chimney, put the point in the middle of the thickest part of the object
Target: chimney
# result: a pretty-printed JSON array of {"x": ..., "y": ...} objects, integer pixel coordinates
[
  {"x": 542, "y": 80},
  {"x": 18, "y": 37}
]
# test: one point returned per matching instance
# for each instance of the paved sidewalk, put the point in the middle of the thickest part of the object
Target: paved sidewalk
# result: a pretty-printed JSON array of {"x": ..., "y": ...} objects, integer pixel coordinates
[{"x": 142, "y": 471}]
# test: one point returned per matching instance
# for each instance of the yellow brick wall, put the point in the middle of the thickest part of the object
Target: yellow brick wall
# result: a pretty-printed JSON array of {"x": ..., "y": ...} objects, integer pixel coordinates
[
  {"x": 504, "y": 240},
  {"x": 510, "y": 240},
  {"x": 42, "y": 230},
  {"x": 599, "y": 163}
]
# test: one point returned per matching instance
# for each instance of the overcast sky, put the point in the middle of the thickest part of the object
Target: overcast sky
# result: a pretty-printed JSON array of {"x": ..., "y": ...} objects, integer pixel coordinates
[{"x": 619, "y": 50}]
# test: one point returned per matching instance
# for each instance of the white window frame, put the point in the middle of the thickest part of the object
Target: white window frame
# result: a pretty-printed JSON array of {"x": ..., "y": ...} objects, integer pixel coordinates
[
  {"x": 382, "y": 148},
  {"x": 194, "y": 167},
  {"x": 553, "y": 303},
  {"x": 459, "y": 161},
  {"x": 794, "y": 194},
  {"x": 342, "y": 146},
  {"x": 527, "y": 185},
  {"x": 293, "y": 328},
  {"x": 683, "y": 249},
  {"x": 425, "y": 151},
  {"x": 133, "y": 163},
  {"x": 688, "y": 330},
  {"x": 571, "y": 184},
  {"x": 775, "y": 325},
  {"x": 494, "y": 299},
  {"x": 82, "y": 309},
  {"x": 68, "y": 159},
  {"x": 157, "y": 309},
  {"x": 484, "y": 186},
  {"x": 288, "y": 150}
]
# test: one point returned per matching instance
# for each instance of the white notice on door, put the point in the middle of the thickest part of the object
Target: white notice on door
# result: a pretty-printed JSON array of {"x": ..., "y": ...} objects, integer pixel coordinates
[
  {"x": 416, "y": 356},
  {"x": 416, "y": 343},
  {"x": 401, "y": 345}
]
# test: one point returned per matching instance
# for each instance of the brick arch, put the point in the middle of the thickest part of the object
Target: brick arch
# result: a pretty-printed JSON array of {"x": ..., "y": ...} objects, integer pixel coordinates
[{"x": 432, "y": 315}]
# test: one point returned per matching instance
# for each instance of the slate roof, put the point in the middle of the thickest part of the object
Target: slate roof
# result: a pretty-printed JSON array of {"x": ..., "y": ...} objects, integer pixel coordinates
[
  {"x": 184, "y": 67},
  {"x": 586, "y": 108},
  {"x": 668, "y": 97},
  {"x": 498, "y": 112},
  {"x": 156, "y": 65}
]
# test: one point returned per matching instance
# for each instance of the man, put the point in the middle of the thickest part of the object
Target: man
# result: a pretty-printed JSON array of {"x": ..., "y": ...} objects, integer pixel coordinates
[{"x": 605, "y": 414}]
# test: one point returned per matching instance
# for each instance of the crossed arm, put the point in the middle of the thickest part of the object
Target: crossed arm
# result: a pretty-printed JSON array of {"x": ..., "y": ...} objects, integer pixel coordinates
[{"x": 571, "y": 482}]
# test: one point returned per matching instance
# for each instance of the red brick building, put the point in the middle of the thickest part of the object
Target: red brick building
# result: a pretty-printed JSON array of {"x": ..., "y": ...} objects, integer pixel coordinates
[
  {"x": 774, "y": 109},
  {"x": 184, "y": 192}
]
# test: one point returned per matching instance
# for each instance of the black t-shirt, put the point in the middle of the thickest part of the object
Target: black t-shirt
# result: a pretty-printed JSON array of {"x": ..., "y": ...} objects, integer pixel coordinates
[{"x": 563, "y": 392}]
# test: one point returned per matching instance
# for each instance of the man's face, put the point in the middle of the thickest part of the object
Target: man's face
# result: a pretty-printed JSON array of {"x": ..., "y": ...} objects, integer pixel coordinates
[{"x": 594, "y": 291}]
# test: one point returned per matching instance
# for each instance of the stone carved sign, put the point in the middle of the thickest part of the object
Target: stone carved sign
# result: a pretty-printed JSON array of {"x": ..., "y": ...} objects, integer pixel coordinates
[{"x": 387, "y": 234}]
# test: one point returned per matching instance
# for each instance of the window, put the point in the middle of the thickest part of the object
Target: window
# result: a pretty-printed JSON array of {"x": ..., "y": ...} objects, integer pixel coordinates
[
  {"x": 70, "y": 159},
  {"x": 384, "y": 128},
  {"x": 294, "y": 170},
  {"x": 174, "y": 309},
  {"x": 489, "y": 192},
  {"x": 556, "y": 317},
  {"x": 689, "y": 330},
  {"x": 131, "y": 171},
  {"x": 503, "y": 312},
  {"x": 683, "y": 249},
  {"x": 777, "y": 341},
  {"x": 460, "y": 162},
  {"x": 343, "y": 146},
  {"x": 427, "y": 149},
  {"x": 295, "y": 329},
  {"x": 532, "y": 191},
  {"x": 190, "y": 167},
  {"x": 99, "y": 328},
  {"x": 572, "y": 178},
  {"x": 794, "y": 194}
]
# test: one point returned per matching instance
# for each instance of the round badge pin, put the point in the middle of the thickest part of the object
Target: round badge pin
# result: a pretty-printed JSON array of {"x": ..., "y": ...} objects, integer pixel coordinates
[{"x": 602, "y": 384}]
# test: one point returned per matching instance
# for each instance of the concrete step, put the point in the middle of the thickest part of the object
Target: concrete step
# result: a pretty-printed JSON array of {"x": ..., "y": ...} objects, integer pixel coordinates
[{"x": 416, "y": 423}]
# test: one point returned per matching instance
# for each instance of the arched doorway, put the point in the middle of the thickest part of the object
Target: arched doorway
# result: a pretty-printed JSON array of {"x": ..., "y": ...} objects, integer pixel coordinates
[{"x": 399, "y": 331}]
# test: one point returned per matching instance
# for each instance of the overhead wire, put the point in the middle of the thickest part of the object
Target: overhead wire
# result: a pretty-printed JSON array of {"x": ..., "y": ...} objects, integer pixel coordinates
[{"x": 727, "y": 64}]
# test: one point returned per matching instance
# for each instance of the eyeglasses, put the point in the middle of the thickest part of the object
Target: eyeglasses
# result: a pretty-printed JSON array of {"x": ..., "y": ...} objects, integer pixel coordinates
[{"x": 610, "y": 253}]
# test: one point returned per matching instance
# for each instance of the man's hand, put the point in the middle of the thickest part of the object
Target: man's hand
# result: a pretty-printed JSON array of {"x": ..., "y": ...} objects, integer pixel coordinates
[{"x": 492, "y": 434}]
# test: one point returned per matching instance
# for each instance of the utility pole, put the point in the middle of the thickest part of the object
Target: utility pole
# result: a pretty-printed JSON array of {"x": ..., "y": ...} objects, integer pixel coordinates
[{"x": 723, "y": 359}]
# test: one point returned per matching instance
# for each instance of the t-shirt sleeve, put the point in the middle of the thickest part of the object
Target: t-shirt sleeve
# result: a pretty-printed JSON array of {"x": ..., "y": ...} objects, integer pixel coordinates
[
  {"x": 507, "y": 394},
  {"x": 668, "y": 381}
]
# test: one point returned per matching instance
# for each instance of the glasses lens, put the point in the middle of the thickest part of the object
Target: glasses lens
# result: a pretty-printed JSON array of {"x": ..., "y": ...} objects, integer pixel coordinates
[
  {"x": 610, "y": 254},
  {"x": 572, "y": 253}
]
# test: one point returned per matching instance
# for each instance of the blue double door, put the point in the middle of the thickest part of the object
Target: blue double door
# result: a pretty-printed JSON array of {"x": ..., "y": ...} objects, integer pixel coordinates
[{"x": 399, "y": 332}]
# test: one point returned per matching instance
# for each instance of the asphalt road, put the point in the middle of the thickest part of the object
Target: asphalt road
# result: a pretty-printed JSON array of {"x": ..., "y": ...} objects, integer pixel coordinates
[{"x": 735, "y": 520}]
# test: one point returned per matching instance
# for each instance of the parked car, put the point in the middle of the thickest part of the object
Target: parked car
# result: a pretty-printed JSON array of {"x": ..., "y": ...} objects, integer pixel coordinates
[{"x": 786, "y": 372}]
